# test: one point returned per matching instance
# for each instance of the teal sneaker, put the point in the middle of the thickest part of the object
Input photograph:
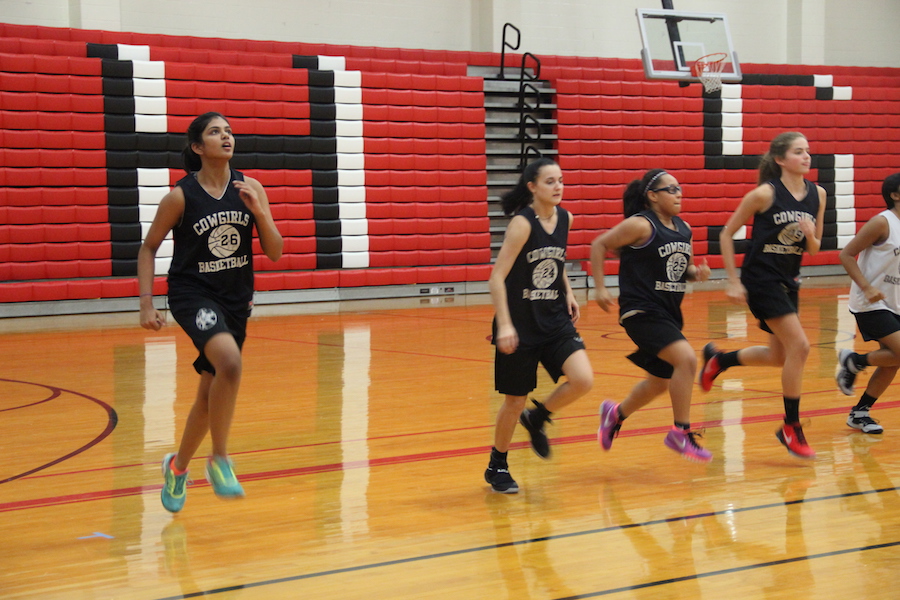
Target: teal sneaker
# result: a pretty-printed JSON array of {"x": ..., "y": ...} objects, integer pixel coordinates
[
  {"x": 220, "y": 474},
  {"x": 174, "y": 489}
]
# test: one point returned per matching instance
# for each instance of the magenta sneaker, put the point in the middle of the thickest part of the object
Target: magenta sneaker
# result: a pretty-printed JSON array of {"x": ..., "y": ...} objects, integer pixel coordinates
[
  {"x": 684, "y": 443},
  {"x": 609, "y": 424}
]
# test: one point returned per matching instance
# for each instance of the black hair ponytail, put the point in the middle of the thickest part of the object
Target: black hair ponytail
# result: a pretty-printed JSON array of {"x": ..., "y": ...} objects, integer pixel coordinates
[
  {"x": 634, "y": 200},
  {"x": 520, "y": 196}
]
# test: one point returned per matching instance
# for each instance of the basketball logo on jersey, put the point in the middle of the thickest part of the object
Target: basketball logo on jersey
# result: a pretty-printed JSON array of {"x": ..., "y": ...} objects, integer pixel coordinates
[
  {"x": 791, "y": 234},
  {"x": 676, "y": 266},
  {"x": 224, "y": 241},
  {"x": 544, "y": 274},
  {"x": 206, "y": 319}
]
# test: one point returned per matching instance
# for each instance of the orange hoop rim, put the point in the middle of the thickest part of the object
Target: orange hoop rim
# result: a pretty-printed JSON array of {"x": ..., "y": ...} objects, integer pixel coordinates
[{"x": 714, "y": 62}]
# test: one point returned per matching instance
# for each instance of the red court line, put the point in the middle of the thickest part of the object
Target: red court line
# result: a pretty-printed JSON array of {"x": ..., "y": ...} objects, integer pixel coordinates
[{"x": 395, "y": 460}]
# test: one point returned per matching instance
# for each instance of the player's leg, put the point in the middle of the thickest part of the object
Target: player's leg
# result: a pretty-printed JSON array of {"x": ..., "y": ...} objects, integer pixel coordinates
[
  {"x": 197, "y": 425},
  {"x": 579, "y": 381},
  {"x": 224, "y": 354},
  {"x": 790, "y": 342},
  {"x": 680, "y": 438}
]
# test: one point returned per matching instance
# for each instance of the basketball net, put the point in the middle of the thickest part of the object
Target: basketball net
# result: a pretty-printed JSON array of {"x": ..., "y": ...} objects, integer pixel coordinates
[{"x": 709, "y": 69}]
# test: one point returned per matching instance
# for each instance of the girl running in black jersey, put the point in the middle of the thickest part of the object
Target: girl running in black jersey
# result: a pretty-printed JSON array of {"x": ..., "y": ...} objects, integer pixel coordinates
[
  {"x": 211, "y": 213},
  {"x": 787, "y": 213},
  {"x": 535, "y": 315},
  {"x": 656, "y": 254}
]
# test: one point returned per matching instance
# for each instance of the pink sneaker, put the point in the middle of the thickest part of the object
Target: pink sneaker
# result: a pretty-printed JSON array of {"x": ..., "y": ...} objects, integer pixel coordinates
[
  {"x": 683, "y": 442},
  {"x": 609, "y": 424}
]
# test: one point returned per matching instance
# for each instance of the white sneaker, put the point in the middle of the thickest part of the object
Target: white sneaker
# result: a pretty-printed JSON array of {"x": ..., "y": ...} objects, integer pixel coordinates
[{"x": 860, "y": 419}]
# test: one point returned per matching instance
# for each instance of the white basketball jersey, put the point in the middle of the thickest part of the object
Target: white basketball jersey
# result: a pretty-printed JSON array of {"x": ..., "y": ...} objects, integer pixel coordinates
[{"x": 880, "y": 265}]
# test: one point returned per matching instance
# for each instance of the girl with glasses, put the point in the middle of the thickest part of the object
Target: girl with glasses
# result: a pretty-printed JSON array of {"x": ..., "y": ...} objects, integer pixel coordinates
[
  {"x": 656, "y": 261},
  {"x": 788, "y": 218}
]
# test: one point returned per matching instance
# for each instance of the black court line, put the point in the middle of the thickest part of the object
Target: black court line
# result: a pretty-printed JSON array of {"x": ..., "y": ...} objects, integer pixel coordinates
[
  {"x": 773, "y": 563},
  {"x": 438, "y": 555}
]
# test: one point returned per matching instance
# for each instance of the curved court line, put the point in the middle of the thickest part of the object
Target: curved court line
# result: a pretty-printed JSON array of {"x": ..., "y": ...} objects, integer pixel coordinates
[
  {"x": 111, "y": 422},
  {"x": 437, "y": 555},
  {"x": 52, "y": 396}
]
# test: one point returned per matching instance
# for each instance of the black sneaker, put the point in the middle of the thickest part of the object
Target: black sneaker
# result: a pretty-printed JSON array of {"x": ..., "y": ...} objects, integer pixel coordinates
[
  {"x": 846, "y": 372},
  {"x": 534, "y": 423},
  {"x": 500, "y": 479}
]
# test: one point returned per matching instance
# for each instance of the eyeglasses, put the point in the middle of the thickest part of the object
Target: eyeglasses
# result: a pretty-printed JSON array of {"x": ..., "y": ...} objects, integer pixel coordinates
[{"x": 672, "y": 189}]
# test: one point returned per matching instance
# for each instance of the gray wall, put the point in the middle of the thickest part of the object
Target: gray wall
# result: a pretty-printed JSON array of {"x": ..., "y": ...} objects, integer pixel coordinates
[{"x": 816, "y": 32}]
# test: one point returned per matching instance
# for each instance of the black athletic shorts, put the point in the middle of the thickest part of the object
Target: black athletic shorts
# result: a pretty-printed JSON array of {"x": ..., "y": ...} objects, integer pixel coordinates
[
  {"x": 877, "y": 324},
  {"x": 652, "y": 332},
  {"x": 516, "y": 374},
  {"x": 202, "y": 318},
  {"x": 770, "y": 301}
]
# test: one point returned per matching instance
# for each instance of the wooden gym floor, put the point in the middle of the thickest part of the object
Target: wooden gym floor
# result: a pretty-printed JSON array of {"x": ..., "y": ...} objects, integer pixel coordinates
[{"x": 361, "y": 437}]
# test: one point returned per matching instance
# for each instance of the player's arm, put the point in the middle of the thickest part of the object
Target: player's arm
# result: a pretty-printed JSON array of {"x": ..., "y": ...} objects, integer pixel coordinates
[
  {"x": 755, "y": 201},
  {"x": 517, "y": 233},
  {"x": 813, "y": 232},
  {"x": 633, "y": 231},
  {"x": 254, "y": 196},
  {"x": 168, "y": 215},
  {"x": 874, "y": 232},
  {"x": 571, "y": 302}
]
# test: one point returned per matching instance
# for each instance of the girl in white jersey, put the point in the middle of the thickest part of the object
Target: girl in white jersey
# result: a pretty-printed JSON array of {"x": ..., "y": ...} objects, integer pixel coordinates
[{"x": 875, "y": 302}]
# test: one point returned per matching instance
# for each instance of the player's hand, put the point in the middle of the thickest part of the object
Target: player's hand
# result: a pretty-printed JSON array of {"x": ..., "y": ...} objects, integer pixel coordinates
[
  {"x": 507, "y": 339},
  {"x": 807, "y": 226},
  {"x": 574, "y": 309},
  {"x": 603, "y": 299},
  {"x": 736, "y": 292},
  {"x": 248, "y": 195},
  {"x": 873, "y": 295},
  {"x": 702, "y": 271},
  {"x": 152, "y": 318}
]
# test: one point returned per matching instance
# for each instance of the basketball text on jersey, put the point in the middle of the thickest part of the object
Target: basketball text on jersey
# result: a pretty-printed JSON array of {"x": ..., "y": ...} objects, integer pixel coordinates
[
  {"x": 671, "y": 286},
  {"x": 540, "y": 294},
  {"x": 221, "y": 218},
  {"x": 232, "y": 262}
]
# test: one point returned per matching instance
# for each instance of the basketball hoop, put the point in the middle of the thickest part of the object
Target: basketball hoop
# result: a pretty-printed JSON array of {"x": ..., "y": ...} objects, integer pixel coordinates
[{"x": 709, "y": 69}]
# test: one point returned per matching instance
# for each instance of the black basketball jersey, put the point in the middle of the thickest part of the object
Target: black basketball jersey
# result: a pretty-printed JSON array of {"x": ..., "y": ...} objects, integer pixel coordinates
[
  {"x": 213, "y": 252},
  {"x": 535, "y": 290},
  {"x": 652, "y": 277},
  {"x": 777, "y": 243}
]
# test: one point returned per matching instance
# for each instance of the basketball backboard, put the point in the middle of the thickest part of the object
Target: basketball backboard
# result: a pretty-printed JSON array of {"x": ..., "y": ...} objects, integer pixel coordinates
[{"x": 673, "y": 40}]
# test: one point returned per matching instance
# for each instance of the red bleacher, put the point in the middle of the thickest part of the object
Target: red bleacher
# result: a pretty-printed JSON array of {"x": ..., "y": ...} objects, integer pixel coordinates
[{"x": 423, "y": 136}]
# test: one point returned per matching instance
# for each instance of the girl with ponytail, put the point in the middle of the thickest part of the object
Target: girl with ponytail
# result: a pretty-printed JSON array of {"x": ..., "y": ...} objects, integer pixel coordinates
[
  {"x": 788, "y": 218},
  {"x": 212, "y": 213},
  {"x": 535, "y": 316},
  {"x": 656, "y": 260}
]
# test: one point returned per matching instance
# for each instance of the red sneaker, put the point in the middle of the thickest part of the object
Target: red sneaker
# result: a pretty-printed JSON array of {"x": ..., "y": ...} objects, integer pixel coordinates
[
  {"x": 710, "y": 368},
  {"x": 791, "y": 435}
]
